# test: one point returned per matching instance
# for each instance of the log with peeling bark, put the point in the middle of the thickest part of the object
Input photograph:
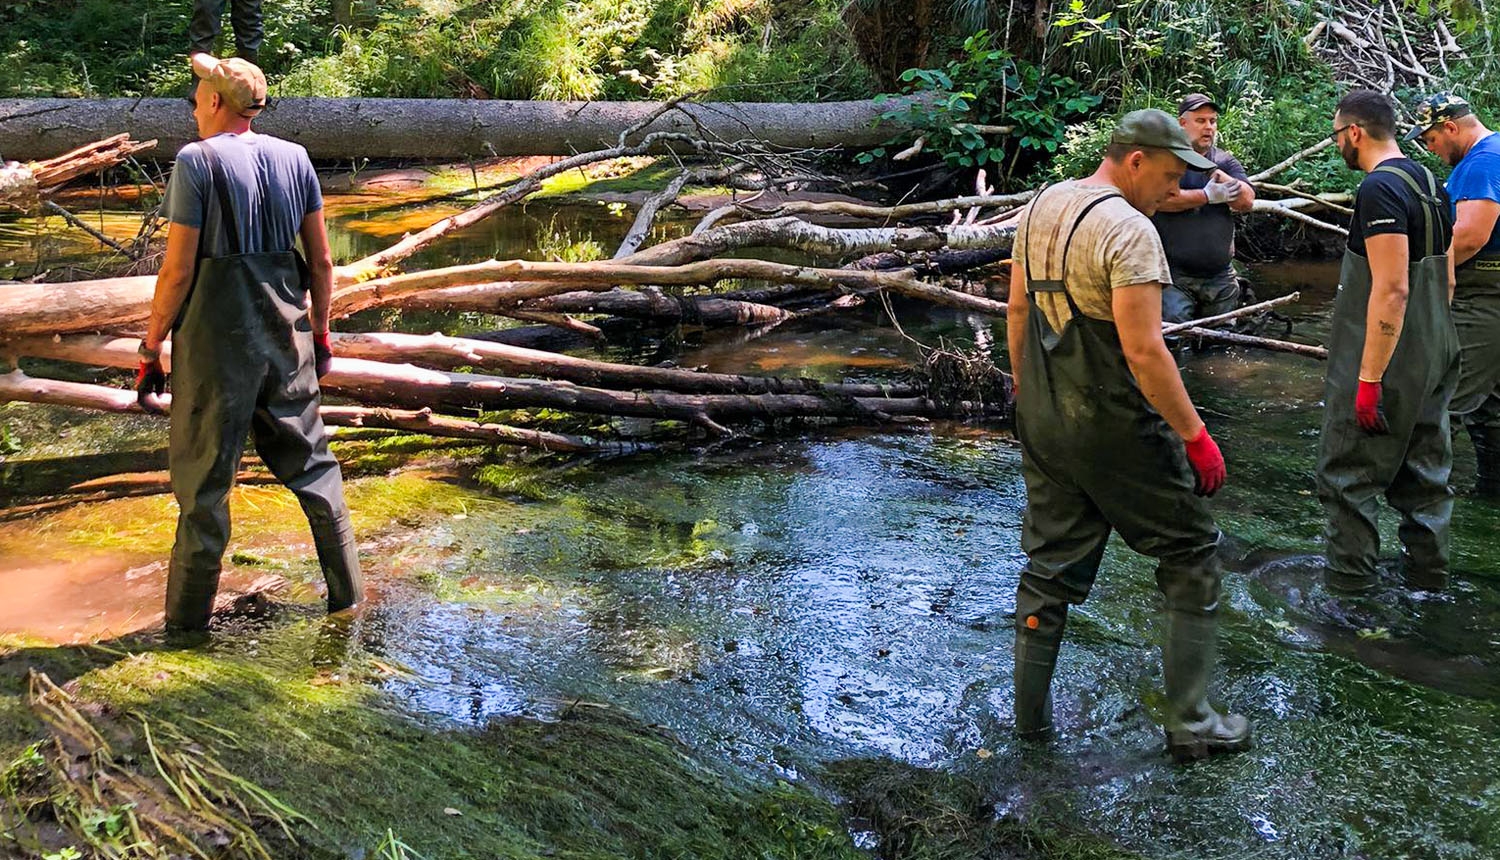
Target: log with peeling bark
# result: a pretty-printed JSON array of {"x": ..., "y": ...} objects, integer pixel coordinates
[
  {"x": 405, "y": 385},
  {"x": 444, "y": 352},
  {"x": 24, "y": 187},
  {"x": 19, "y": 387},
  {"x": 102, "y": 305},
  {"x": 711, "y": 311}
]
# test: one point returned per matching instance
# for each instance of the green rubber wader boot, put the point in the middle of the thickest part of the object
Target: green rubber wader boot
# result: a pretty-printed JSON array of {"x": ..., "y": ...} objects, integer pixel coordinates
[
  {"x": 190, "y": 597},
  {"x": 1194, "y": 729},
  {"x": 242, "y": 365},
  {"x": 1486, "y": 439},
  {"x": 1038, "y": 635},
  {"x": 337, "y": 556},
  {"x": 1409, "y": 465}
]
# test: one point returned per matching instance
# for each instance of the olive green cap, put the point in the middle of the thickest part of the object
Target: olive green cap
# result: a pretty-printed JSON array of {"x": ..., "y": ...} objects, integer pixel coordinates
[{"x": 1158, "y": 129}]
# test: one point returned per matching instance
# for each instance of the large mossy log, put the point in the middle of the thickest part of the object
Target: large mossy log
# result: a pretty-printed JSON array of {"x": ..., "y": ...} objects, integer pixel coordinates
[{"x": 33, "y": 129}]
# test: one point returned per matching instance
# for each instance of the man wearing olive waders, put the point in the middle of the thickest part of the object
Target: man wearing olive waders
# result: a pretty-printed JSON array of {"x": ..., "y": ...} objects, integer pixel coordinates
[
  {"x": 247, "y": 346},
  {"x": 1109, "y": 437},
  {"x": 1450, "y": 130},
  {"x": 1392, "y": 361}
]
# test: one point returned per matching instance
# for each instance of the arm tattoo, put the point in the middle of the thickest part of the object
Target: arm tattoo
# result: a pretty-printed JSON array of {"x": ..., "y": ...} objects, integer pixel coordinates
[{"x": 1387, "y": 329}]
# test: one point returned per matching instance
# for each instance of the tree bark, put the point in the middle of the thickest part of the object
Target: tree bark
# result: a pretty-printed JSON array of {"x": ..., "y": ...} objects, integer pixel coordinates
[
  {"x": 453, "y": 129},
  {"x": 17, "y": 386},
  {"x": 409, "y": 386},
  {"x": 441, "y": 351},
  {"x": 647, "y": 305}
]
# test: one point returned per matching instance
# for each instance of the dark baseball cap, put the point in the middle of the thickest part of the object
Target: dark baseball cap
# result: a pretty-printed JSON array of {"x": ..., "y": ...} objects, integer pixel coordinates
[
  {"x": 1155, "y": 128},
  {"x": 1436, "y": 108},
  {"x": 1193, "y": 101}
]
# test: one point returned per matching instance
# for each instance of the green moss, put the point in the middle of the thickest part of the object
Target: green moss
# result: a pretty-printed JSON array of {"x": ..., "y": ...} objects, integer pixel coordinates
[
  {"x": 591, "y": 782},
  {"x": 933, "y": 815}
]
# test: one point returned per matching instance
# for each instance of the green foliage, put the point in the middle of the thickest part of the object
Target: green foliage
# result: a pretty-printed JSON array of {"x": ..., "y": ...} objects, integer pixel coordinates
[
  {"x": 10, "y": 443},
  {"x": 987, "y": 86},
  {"x": 130, "y": 47},
  {"x": 547, "y": 49},
  {"x": 1134, "y": 50}
]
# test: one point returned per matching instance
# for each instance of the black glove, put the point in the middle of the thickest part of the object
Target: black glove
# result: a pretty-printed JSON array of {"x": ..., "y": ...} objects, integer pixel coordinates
[
  {"x": 150, "y": 383},
  {"x": 322, "y": 354}
]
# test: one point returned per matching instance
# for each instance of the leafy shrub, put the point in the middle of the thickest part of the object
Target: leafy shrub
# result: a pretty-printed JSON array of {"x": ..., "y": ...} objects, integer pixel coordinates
[{"x": 986, "y": 86}]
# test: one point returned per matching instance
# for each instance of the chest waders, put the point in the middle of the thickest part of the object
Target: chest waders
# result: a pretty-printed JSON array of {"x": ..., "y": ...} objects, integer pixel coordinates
[
  {"x": 1476, "y": 401},
  {"x": 1097, "y": 457},
  {"x": 1410, "y": 464},
  {"x": 242, "y": 363}
]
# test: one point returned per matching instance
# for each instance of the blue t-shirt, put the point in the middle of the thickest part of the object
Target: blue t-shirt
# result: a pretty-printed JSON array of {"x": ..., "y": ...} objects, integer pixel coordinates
[
  {"x": 271, "y": 182},
  {"x": 1477, "y": 177}
]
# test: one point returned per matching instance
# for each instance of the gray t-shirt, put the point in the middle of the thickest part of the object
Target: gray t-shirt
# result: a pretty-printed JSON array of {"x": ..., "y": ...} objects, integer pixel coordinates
[{"x": 271, "y": 182}]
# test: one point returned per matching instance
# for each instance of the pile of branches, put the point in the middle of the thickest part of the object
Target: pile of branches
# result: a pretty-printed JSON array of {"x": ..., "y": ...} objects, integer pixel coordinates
[
  {"x": 440, "y": 385},
  {"x": 1385, "y": 44}
]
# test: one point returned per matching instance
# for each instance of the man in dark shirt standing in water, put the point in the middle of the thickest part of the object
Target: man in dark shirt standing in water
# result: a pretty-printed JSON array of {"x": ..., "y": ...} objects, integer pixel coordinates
[
  {"x": 1197, "y": 223},
  {"x": 1392, "y": 361}
]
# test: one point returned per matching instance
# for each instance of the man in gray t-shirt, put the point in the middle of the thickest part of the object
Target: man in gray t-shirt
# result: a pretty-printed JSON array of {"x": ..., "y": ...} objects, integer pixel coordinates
[
  {"x": 249, "y": 325},
  {"x": 1197, "y": 223}
]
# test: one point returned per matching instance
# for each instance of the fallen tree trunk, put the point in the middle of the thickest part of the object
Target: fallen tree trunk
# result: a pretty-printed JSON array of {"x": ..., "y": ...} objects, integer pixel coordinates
[
  {"x": 24, "y": 186},
  {"x": 370, "y": 381},
  {"x": 405, "y": 385},
  {"x": 17, "y": 386},
  {"x": 441, "y": 351},
  {"x": 648, "y": 304},
  {"x": 100, "y": 305},
  {"x": 453, "y": 129}
]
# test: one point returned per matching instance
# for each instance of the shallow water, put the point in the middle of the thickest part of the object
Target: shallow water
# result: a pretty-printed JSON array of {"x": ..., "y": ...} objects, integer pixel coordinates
[{"x": 827, "y": 596}]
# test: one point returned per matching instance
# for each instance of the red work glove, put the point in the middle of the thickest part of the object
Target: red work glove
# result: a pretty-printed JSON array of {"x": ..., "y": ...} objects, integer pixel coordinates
[
  {"x": 150, "y": 382},
  {"x": 1208, "y": 464},
  {"x": 322, "y": 353},
  {"x": 1367, "y": 409}
]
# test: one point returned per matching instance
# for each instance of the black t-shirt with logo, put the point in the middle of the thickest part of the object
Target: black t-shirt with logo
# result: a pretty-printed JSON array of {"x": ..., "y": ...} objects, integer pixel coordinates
[
  {"x": 1200, "y": 242},
  {"x": 1386, "y": 204}
]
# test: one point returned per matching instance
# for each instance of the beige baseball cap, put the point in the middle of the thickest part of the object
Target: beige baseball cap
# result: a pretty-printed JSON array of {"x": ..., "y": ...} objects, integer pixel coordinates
[{"x": 239, "y": 82}]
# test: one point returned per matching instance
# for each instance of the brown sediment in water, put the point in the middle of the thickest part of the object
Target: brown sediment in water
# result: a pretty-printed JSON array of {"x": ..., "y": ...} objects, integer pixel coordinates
[{"x": 93, "y": 597}]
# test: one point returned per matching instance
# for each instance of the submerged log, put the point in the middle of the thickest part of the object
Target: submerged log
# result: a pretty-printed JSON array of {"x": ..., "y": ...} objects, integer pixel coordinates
[
  {"x": 452, "y": 129},
  {"x": 17, "y": 386},
  {"x": 405, "y": 385}
]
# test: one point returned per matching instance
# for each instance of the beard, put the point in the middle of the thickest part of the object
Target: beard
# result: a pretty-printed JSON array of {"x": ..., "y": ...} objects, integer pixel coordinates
[{"x": 1351, "y": 156}]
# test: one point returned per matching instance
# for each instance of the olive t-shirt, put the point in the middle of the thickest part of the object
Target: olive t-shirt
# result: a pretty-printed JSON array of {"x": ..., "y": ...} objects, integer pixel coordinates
[{"x": 1114, "y": 246}]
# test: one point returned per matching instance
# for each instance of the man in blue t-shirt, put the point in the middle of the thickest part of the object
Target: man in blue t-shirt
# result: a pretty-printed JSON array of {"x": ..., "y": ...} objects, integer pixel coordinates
[
  {"x": 1197, "y": 223},
  {"x": 1449, "y": 129}
]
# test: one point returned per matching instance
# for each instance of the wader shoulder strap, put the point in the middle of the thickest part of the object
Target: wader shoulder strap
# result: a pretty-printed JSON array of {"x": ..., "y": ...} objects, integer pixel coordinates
[
  {"x": 1060, "y": 285},
  {"x": 220, "y": 182},
  {"x": 1431, "y": 212}
]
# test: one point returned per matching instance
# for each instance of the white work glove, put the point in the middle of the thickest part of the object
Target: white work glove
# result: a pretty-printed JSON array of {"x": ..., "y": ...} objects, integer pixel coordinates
[{"x": 1222, "y": 191}]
